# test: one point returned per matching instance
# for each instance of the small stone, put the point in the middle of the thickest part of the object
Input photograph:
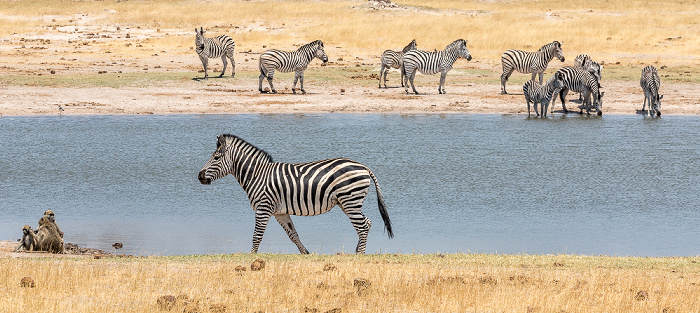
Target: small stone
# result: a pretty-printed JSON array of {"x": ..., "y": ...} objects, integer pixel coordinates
[
  {"x": 257, "y": 265},
  {"x": 342, "y": 89},
  {"x": 27, "y": 282}
]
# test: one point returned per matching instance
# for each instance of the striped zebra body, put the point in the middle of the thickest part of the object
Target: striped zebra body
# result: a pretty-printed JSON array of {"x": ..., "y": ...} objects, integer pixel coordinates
[
  {"x": 284, "y": 189},
  {"x": 542, "y": 94},
  {"x": 217, "y": 47},
  {"x": 433, "y": 62},
  {"x": 650, "y": 83},
  {"x": 579, "y": 80},
  {"x": 585, "y": 62},
  {"x": 393, "y": 59},
  {"x": 289, "y": 61},
  {"x": 529, "y": 62}
]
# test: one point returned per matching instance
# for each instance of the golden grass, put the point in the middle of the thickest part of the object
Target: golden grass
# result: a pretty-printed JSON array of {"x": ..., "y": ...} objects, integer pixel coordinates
[
  {"x": 398, "y": 283},
  {"x": 630, "y": 31}
]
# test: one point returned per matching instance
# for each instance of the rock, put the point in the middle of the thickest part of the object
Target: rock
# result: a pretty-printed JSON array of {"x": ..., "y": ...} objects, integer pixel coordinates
[
  {"x": 641, "y": 296},
  {"x": 361, "y": 284},
  {"x": 27, "y": 282},
  {"x": 329, "y": 267},
  {"x": 342, "y": 90},
  {"x": 257, "y": 265},
  {"x": 166, "y": 302}
]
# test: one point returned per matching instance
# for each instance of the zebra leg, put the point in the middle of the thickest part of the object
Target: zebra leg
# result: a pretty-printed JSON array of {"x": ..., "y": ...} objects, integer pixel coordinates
[
  {"x": 403, "y": 77},
  {"x": 233, "y": 66},
  {"x": 382, "y": 74},
  {"x": 410, "y": 79},
  {"x": 260, "y": 79},
  {"x": 562, "y": 97},
  {"x": 541, "y": 75},
  {"x": 301, "y": 83},
  {"x": 262, "y": 216},
  {"x": 205, "y": 64},
  {"x": 362, "y": 225},
  {"x": 504, "y": 79},
  {"x": 288, "y": 226},
  {"x": 294, "y": 86},
  {"x": 223, "y": 59},
  {"x": 646, "y": 98},
  {"x": 441, "y": 87}
]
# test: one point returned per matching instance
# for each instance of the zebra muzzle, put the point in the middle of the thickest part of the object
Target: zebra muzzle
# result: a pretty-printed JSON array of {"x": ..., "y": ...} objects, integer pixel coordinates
[{"x": 203, "y": 179}]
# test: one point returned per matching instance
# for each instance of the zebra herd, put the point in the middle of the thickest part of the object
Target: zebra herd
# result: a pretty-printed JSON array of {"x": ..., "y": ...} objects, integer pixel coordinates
[
  {"x": 583, "y": 78},
  {"x": 282, "y": 189}
]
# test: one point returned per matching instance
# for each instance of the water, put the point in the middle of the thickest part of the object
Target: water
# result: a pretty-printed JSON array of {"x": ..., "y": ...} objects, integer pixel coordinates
[{"x": 616, "y": 185}]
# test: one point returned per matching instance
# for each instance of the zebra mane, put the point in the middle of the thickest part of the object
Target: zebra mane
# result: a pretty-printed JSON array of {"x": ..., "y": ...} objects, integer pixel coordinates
[
  {"x": 455, "y": 44},
  {"x": 242, "y": 142},
  {"x": 310, "y": 45},
  {"x": 409, "y": 46},
  {"x": 549, "y": 46}
]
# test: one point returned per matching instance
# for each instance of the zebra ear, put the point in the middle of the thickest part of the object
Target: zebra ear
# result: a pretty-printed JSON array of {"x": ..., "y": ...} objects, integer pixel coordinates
[
  {"x": 661, "y": 97},
  {"x": 201, "y": 30}
]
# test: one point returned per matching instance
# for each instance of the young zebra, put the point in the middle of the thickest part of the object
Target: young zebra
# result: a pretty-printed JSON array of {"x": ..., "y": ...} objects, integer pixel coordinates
[
  {"x": 433, "y": 62},
  {"x": 391, "y": 58},
  {"x": 219, "y": 46},
  {"x": 285, "y": 62},
  {"x": 536, "y": 93},
  {"x": 283, "y": 189},
  {"x": 650, "y": 83},
  {"x": 529, "y": 62},
  {"x": 579, "y": 80}
]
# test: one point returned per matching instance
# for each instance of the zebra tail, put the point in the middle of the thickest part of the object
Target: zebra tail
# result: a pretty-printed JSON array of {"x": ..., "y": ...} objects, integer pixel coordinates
[{"x": 382, "y": 207}]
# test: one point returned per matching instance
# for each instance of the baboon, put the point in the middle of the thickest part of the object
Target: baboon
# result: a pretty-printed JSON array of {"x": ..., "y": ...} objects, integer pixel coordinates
[
  {"x": 28, "y": 242},
  {"x": 48, "y": 237},
  {"x": 52, "y": 218}
]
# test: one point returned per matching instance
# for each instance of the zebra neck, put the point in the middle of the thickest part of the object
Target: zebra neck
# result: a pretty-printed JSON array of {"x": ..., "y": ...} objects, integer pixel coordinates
[
  {"x": 246, "y": 170},
  {"x": 308, "y": 54},
  {"x": 548, "y": 54}
]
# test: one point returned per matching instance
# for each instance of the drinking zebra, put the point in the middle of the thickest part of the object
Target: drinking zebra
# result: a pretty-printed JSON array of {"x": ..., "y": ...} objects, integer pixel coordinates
[
  {"x": 219, "y": 46},
  {"x": 433, "y": 62},
  {"x": 585, "y": 62},
  {"x": 286, "y": 62},
  {"x": 529, "y": 62},
  {"x": 542, "y": 94},
  {"x": 579, "y": 80},
  {"x": 283, "y": 189},
  {"x": 650, "y": 83},
  {"x": 391, "y": 58}
]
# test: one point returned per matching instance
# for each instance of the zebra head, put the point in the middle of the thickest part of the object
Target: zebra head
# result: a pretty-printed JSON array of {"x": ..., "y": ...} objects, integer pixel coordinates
[
  {"x": 320, "y": 54},
  {"x": 460, "y": 47},
  {"x": 410, "y": 46},
  {"x": 553, "y": 48},
  {"x": 219, "y": 165},
  {"x": 656, "y": 104},
  {"x": 199, "y": 39},
  {"x": 598, "y": 103}
]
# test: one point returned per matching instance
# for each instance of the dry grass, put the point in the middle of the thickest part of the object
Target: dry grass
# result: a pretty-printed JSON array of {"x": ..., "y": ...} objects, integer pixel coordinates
[
  {"x": 628, "y": 31},
  {"x": 397, "y": 283}
]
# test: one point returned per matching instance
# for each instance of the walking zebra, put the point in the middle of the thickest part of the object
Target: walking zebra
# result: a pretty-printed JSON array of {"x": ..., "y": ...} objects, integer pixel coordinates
[
  {"x": 391, "y": 58},
  {"x": 579, "y": 80},
  {"x": 542, "y": 94},
  {"x": 433, "y": 62},
  {"x": 283, "y": 189},
  {"x": 529, "y": 62},
  {"x": 219, "y": 46},
  {"x": 650, "y": 83},
  {"x": 286, "y": 62}
]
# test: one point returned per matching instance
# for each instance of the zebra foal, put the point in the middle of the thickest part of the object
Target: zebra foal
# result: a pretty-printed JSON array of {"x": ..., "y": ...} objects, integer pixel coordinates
[
  {"x": 284, "y": 189},
  {"x": 286, "y": 61},
  {"x": 433, "y": 62},
  {"x": 529, "y": 62},
  {"x": 650, "y": 83},
  {"x": 542, "y": 94},
  {"x": 391, "y": 58},
  {"x": 219, "y": 46}
]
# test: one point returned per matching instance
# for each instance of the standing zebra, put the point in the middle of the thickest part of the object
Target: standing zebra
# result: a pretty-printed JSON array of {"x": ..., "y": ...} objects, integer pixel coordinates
[
  {"x": 433, "y": 62},
  {"x": 650, "y": 83},
  {"x": 529, "y": 62},
  {"x": 283, "y": 189},
  {"x": 585, "y": 62},
  {"x": 219, "y": 46},
  {"x": 536, "y": 93},
  {"x": 285, "y": 62},
  {"x": 579, "y": 80},
  {"x": 391, "y": 58}
]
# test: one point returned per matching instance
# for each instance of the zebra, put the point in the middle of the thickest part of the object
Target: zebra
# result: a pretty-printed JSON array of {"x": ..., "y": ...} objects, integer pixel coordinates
[
  {"x": 219, "y": 46},
  {"x": 650, "y": 83},
  {"x": 284, "y": 189},
  {"x": 529, "y": 62},
  {"x": 286, "y": 62},
  {"x": 542, "y": 94},
  {"x": 579, "y": 80},
  {"x": 585, "y": 62},
  {"x": 391, "y": 58},
  {"x": 433, "y": 62}
]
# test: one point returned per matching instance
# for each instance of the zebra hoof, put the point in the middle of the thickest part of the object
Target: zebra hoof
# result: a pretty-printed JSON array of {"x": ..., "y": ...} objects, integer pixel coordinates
[{"x": 303, "y": 92}]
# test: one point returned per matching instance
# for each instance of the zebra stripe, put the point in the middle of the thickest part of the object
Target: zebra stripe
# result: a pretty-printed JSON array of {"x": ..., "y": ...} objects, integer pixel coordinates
[
  {"x": 529, "y": 62},
  {"x": 650, "y": 83},
  {"x": 542, "y": 94},
  {"x": 579, "y": 80},
  {"x": 393, "y": 59},
  {"x": 284, "y": 189},
  {"x": 433, "y": 62},
  {"x": 286, "y": 61},
  {"x": 219, "y": 46}
]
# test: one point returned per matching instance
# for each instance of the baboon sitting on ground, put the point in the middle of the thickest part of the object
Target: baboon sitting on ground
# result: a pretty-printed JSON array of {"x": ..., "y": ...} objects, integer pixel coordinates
[
  {"x": 48, "y": 237},
  {"x": 52, "y": 218},
  {"x": 28, "y": 242}
]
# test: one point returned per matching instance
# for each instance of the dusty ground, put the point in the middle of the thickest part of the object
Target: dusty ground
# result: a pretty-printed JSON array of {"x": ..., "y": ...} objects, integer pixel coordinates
[
  {"x": 89, "y": 57},
  {"x": 7, "y": 250}
]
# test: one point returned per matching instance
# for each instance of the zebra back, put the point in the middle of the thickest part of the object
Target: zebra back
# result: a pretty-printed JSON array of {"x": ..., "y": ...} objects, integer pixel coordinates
[
  {"x": 531, "y": 62},
  {"x": 391, "y": 58},
  {"x": 213, "y": 47},
  {"x": 429, "y": 62},
  {"x": 288, "y": 61},
  {"x": 585, "y": 62}
]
